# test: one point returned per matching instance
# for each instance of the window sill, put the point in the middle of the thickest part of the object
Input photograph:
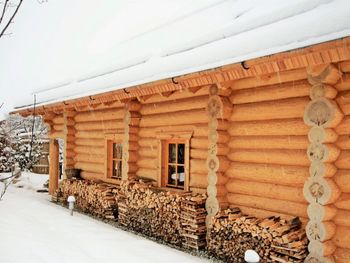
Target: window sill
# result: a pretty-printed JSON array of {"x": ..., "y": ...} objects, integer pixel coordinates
[{"x": 173, "y": 190}]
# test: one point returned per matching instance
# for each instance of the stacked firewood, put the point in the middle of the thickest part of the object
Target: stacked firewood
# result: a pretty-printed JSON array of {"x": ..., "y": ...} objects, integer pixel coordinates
[
  {"x": 98, "y": 199},
  {"x": 193, "y": 216},
  {"x": 274, "y": 239}
]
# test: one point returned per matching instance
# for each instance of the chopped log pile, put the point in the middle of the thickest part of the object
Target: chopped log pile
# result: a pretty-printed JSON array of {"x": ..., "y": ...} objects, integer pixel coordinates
[
  {"x": 98, "y": 199},
  {"x": 273, "y": 238},
  {"x": 193, "y": 216},
  {"x": 176, "y": 218}
]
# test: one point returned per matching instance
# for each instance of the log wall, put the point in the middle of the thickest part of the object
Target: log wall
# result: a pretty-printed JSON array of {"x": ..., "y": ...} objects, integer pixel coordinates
[
  {"x": 268, "y": 142},
  {"x": 91, "y": 128},
  {"x": 173, "y": 114}
]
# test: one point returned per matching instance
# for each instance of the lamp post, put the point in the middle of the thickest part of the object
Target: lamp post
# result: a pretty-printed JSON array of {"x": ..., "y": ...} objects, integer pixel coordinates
[{"x": 71, "y": 201}]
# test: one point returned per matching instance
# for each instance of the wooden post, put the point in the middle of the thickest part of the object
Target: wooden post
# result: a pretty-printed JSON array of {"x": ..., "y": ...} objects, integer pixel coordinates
[
  {"x": 322, "y": 114},
  {"x": 53, "y": 170}
]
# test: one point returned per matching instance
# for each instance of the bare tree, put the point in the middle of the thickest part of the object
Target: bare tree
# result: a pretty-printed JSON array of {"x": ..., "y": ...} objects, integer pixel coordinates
[{"x": 8, "y": 11}]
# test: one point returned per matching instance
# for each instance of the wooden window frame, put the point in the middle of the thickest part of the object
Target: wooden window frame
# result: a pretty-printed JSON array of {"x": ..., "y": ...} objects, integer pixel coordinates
[
  {"x": 163, "y": 140},
  {"x": 110, "y": 139}
]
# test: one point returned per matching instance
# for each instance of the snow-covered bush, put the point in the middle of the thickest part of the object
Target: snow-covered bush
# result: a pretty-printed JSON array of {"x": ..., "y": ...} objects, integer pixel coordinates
[{"x": 21, "y": 142}]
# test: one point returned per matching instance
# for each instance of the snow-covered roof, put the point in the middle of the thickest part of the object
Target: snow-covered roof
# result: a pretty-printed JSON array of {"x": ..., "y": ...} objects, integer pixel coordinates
[{"x": 216, "y": 34}]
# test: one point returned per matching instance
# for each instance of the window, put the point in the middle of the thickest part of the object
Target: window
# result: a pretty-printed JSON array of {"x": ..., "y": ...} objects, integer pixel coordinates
[
  {"x": 114, "y": 159},
  {"x": 174, "y": 159},
  {"x": 175, "y": 165}
]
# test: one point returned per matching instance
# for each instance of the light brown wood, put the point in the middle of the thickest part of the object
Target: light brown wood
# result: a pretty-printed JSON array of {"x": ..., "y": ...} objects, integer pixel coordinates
[
  {"x": 58, "y": 127},
  {"x": 344, "y": 83},
  {"x": 318, "y": 169},
  {"x": 101, "y": 126},
  {"x": 269, "y": 142},
  {"x": 319, "y": 213},
  {"x": 271, "y": 127},
  {"x": 89, "y": 142},
  {"x": 323, "y": 91},
  {"x": 89, "y": 149},
  {"x": 321, "y": 190},
  {"x": 189, "y": 103},
  {"x": 266, "y": 190},
  {"x": 279, "y": 156},
  {"x": 344, "y": 66},
  {"x": 90, "y": 167},
  {"x": 342, "y": 218},
  {"x": 175, "y": 118},
  {"x": 147, "y": 173},
  {"x": 342, "y": 237},
  {"x": 53, "y": 168},
  {"x": 90, "y": 158},
  {"x": 199, "y": 130},
  {"x": 321, "y": 135},
  {"x": 344, "y": 127},
  {"x": 268, "y": 79},
  {"x": 326, "y": 73},
  {"x": 318, "y": 152},
  {"x": 343, "y": 161},
  {"x": 273, "y": 92},
  {"x": 58, "y": 120},
  {"x": 343, "y": 142},
  {"x": 322, "y": 112},
  {"x": 321, "y": 249},
  {"x": 343, "y": 201},
  {"x": 150, "y": 152},
  {"x": 342, "y": 179},
  {"x": 269, "y": 204},
  {"x": 343, "y": 100},
  {"x": 342, "y": 255},
  {"x": 148, "y": 163},
  {"x": 100, "y": 115},
  {"x": 267, "y": 173},
  {"x": 281, "y": 109},
  {"x": 320, "y": 231},
  {"x": 56, "y": 134}
]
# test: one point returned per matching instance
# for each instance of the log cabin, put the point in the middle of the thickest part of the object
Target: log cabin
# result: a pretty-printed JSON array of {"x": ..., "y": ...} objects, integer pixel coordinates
[{"x": 269, "y": 135}]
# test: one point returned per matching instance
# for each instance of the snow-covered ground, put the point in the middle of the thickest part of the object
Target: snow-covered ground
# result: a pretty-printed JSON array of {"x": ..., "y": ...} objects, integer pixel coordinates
[{"x": 34, "y": 230}]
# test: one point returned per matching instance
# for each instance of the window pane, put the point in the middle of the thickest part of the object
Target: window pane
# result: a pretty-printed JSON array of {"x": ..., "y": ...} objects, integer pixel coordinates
[
  {"x": 117, "y": 151},
  {"x": 172, "y": 174},
  {"x": 117, "y": 169},
  {"x": 172, "y": 153},
  {"x": 181, "y": 153},
  {"x": 181, "y": 175}
]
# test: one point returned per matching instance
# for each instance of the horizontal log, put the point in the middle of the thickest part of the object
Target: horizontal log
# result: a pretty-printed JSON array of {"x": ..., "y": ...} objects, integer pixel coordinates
[
  {"x": 269, "y": 204},
  {"x": 279, "y": 174},
  {"x": 148, "y": 152},
  {"x": 270, "y": 110},
  {"x": 56, "y": 134},
  {"x": 321, "y": 249},
  {"x": 148, "y": 163},
  {"x": 273, "y": 92},
  {"x": 148, "y": 142},
  {"x": 342, "y": 218},
  {"x": 100, "y": 115},
  {"x": 319, "y": 213},
  {"x": 58, "y": 127},
  {"x": 271, "y": 127},
  {"x": 90, "y": 149},
  {"x": 199, "y": 143},
  {"x": 90, "y": 167},
  {"x": 343, "y": 100},
  {"x": 343, "y": 83},
  {"x": 344, "y": 127},
  {"x": 343, "y": 201},
  {"x": 343, "y": 161},
  {"x": 69, "y": 153},
  {"x": 342, "y": 237},
  {"x": 198, "y": 180},
  {"x": 268, "y": 79},
  {"x": 279, "y": 156},
  {"x": 322, "y": 152},
  {"x": 323, "y": 73},
  {"x": 98, "y": 125},
  {"x": 200, "y": 130},
  {"x": 321, "y": 135},
  {"x": 90, "y": 158},
  {"x": 344, "y": 66},
  {"x": 90, "y": 142},
  {"x": 199, "y": 154},
  {"x": 321, "y": 190},
  {"x": 200, "y": 166},
  {"x": 175, "y": 118},
  {"x": 269, "y": 142},
  {"x": 58, "y": 120},
  {"x": 342, "y": 179},
  {"x": 147, "y": 173},
  {"x": 197, "y": 190},
  {"x": 342, "y": 255},
  {"x": 177, "y": 105},
  {"x": 266, "y": 190},
  {"x": 343, "y": 142},
  {"x": 92, "y": 176}
]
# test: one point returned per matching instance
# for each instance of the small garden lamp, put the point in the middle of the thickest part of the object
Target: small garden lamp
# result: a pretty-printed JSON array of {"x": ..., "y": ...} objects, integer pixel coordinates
[
  {"x": 71, "y": 201},
  {"x": 251, "y": 256}
]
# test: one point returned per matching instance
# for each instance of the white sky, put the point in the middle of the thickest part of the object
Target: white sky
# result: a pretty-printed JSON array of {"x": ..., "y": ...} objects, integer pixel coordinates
[
  {"x": 69, "y": 42},
  {"x": 52, "y": 43}
]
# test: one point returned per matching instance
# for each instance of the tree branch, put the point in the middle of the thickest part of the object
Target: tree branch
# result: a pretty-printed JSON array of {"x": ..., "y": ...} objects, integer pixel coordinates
[
  {"x": 3, "y": 11},
  {"x": 13, "y": 15}
]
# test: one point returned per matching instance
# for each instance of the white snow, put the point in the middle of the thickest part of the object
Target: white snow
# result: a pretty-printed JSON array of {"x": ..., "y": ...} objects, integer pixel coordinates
[
  {"x": 33, "y": 230},
  {"x": 79, "y": 51}
]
